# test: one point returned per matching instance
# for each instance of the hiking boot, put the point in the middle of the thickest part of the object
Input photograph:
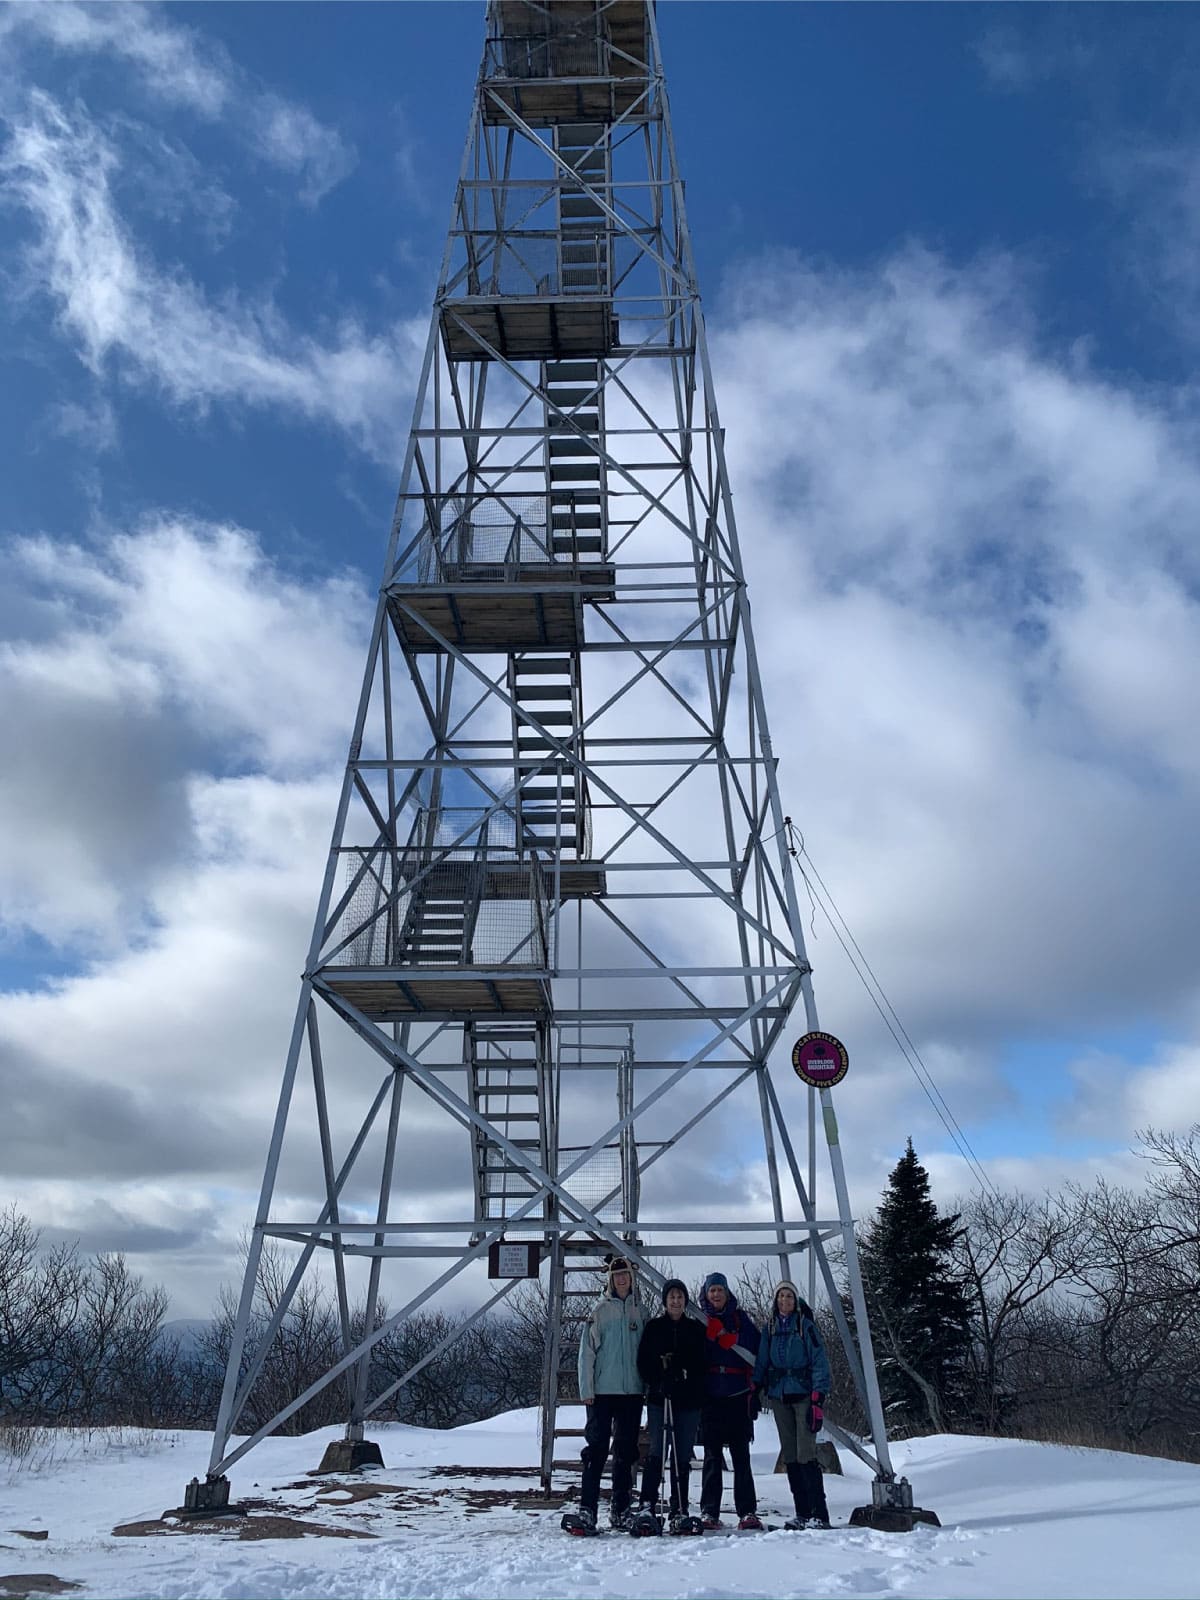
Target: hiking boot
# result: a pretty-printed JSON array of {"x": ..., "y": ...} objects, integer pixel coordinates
[
  {"x": 581, "y": 1522},
  {"x": 750, "y": 1523},
  {"x": 621, "y": 1521},
  {"x": 711, "y": 1519},
  {"x": 645, "y": 1523}
]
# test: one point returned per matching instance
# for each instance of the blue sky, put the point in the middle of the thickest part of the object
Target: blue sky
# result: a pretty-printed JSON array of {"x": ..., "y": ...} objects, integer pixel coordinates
[{"x": 950, "y": 263}]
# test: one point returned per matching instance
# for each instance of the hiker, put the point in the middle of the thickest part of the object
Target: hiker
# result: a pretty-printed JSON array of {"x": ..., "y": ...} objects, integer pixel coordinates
[
  {"x": 610, "y": 1386},
  {"x": 730, "y": 1403},
  {"x": 672, "y": 1360},
  {"x": 792, "y": 1371}
]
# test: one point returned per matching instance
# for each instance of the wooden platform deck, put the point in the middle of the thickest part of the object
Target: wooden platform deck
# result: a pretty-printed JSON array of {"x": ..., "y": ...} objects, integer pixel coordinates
[
  {"x": 542, "y": 102},
  {"x": 542, "y": 605},
  {"x": 579, "y": 880},
  {"x": 528, "y": 328},
  {"x": 402, "y": 994},
  {"x": 556, "y": 85}
]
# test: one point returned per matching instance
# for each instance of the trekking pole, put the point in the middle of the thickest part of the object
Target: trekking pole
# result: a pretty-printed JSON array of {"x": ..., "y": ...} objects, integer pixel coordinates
[{"x": 673, "y": 1458}]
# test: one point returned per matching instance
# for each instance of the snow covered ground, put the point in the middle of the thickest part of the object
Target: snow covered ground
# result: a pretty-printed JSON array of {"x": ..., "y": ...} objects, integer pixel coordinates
[{"x": 1018, "y": 1520}]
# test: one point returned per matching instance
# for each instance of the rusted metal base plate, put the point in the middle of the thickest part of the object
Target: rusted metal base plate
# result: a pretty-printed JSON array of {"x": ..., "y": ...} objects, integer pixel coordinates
[{"x": 891, "y": 1519}]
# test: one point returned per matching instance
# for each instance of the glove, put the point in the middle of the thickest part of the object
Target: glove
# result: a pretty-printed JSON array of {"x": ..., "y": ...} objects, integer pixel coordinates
[
  {"x": 815, "y": 1415},
  {"x": 727, "y": 1341},
  {"x": 714, "y": 1327}
]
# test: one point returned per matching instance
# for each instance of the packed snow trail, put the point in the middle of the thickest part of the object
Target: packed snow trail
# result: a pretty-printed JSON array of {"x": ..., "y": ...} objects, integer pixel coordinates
[{"x": 1019, "y": 1520}]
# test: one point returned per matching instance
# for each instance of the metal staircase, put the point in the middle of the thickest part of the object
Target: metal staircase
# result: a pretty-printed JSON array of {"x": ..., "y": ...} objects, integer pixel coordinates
[
  {"x": 550, "y": 802},
  {"x": 509, "y": 1082}
]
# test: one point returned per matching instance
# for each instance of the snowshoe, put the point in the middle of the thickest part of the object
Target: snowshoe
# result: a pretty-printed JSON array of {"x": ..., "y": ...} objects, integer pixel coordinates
[
  {"x": 710, "y": 1520},
  {"x": 796, "y": 1524},
  {"x": 581, "y": 1523},
  {"x": 645, "y": 1525},
  {"x": 683, "y": 1525},
  {"x": 621, "y": 1521},
  {"x": 818, "y": 1522},
  {"x": 751, "y": 1523}
]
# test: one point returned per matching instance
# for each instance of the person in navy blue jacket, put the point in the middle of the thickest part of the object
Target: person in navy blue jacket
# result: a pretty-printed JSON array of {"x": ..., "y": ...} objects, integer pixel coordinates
[
  {"x": 731, "y": 1346},
  {"x": 792, "y": 1372}
]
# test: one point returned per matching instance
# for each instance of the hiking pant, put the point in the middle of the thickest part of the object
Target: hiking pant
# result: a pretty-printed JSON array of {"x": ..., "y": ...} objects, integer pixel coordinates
[
  {"x": 727, "y": 1422},
  {"x": 616, "y": 1417},
  {"x": 686, "y": 1423},
  {"x": 808, "y": 1490},
  {"x": 796, "y": 1442}
]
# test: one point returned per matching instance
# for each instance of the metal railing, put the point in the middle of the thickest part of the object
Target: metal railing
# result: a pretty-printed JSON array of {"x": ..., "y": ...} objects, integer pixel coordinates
[
  {"x": 491, "y": 538},
  {"x": 478, "y": 904},
  {"x": 528, "y": 263}
]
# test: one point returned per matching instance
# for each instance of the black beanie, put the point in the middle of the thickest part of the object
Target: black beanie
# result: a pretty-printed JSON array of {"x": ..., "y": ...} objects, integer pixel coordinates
[{"x": 674, "y": 1283}]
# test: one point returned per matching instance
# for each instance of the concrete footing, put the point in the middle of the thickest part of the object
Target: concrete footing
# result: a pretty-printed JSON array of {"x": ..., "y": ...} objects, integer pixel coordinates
[
  {"x": 209, "y": 1498},
  {"x": 349, "y": 1455}
]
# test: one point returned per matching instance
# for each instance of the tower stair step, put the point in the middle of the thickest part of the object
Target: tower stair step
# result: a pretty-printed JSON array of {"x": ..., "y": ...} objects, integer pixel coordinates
[
  {"x": 544, "y": 666},
  {"x": 571, "y": 371},
  {"x": 567, "y": 519},
  {"x": 556, "y": 719},
  {"x": 586, "y": 421},
  {"x": 546, "y": 691}
]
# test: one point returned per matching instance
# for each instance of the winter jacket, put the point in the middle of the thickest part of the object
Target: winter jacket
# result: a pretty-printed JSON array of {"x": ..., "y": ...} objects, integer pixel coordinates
[
  {"x": 729, "y": 1360},
  {"x": 609, "y": 1347},
  {"x": 682, "y": 1377},
  {"x": 791, "y": 1357}
]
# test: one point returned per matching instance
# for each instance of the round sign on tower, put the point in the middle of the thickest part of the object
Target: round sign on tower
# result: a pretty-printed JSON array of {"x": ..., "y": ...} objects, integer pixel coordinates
[{"x": 820, "y": 1060}]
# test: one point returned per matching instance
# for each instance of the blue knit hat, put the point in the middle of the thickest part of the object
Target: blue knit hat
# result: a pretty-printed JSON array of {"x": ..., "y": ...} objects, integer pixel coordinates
[{"x": 714, "y": 1279}]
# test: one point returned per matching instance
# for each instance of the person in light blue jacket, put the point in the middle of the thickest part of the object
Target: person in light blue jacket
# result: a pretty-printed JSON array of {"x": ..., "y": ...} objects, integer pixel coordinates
[
  {"x": 792, "y": 1372},
  {"x": 610, "y": 1386}
]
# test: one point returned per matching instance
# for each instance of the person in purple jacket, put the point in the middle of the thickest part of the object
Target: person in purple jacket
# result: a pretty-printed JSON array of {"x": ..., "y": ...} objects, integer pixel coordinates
[{"x": 726, "y": 1419}]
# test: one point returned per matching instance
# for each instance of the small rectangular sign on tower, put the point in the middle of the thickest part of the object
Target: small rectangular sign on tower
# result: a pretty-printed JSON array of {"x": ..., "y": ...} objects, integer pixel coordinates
[{"x": 506, "y": 1260}]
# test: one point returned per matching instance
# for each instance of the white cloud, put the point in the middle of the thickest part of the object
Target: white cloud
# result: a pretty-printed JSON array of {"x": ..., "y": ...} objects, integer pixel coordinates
[
  {"x": 140, "y": 660},
  {"x": 974, "y": 584},
  {"x": 1016, "y": 59},
  {"x": 1157, "y": 187},
  {"x": 155, "y": 327},
  {"x": 179, "y": 65}
]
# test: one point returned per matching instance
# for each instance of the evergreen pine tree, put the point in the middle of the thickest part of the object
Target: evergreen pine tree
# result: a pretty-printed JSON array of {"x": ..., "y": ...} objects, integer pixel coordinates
[{"x": 920, "y": 1309}]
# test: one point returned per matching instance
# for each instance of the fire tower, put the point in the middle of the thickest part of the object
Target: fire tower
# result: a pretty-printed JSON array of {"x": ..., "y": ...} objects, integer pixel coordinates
[{"x": 557, "y": 930}]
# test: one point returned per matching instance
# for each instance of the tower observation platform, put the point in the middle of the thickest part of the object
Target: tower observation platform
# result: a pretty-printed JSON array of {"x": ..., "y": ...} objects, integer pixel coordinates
[{"x": 557, "y": 940}]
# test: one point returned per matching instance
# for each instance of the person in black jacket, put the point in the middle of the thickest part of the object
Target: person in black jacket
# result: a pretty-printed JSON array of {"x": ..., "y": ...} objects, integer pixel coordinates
[{"x": 672, "y": 1360}]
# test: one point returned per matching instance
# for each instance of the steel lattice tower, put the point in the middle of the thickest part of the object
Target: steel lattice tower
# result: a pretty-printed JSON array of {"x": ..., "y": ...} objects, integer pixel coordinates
[{"x": 558, "y": 910}]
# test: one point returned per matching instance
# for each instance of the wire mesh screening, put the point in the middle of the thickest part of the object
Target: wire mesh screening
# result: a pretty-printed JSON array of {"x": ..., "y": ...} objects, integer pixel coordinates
[
  {"x": 532, "y": 42},
  {"x": 529, "y": 263},
  {"x": 484, "y": 537},
  {"x": 444, "y": 908},
  {"x": 596, "y": 1180}
]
